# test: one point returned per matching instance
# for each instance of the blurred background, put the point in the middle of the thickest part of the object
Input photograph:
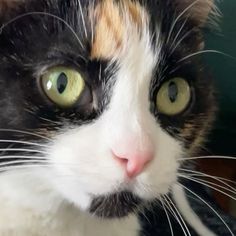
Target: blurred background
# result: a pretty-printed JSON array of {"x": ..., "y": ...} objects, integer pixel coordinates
[
  {"x": 223, "y": 138},
  {"x": 224, "y": 70}
]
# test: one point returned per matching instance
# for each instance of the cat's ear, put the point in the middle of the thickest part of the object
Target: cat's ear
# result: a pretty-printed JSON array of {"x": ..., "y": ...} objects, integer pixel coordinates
[{"x": 198, "y": 10}]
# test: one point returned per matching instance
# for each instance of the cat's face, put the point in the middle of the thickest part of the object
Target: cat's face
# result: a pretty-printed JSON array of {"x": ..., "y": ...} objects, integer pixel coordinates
[{"x": 114, "y": 88}]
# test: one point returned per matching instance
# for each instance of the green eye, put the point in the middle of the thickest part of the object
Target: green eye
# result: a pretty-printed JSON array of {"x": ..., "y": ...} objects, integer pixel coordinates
[
  {"x": 173, "y": 97},
  {"x": 63, "y": 86}
]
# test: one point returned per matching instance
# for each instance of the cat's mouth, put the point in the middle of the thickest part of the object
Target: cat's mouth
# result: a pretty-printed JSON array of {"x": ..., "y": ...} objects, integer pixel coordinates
[{"x": 115, "y": 205}]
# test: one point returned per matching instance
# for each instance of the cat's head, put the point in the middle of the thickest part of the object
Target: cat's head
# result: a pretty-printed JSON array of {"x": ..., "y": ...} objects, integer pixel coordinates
[{"x": 116, "y": 88}]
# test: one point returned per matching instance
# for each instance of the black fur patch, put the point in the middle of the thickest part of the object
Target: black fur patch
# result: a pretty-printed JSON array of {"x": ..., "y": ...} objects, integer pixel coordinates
[{"x": 116, "y": 205}]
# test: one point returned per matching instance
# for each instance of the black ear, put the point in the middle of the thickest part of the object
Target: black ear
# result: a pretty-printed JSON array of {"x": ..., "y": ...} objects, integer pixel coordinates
[{"x": 198, "y": 10}]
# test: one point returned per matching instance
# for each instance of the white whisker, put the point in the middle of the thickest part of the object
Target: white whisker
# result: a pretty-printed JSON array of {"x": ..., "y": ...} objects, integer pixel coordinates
[
  {"x": 207, "y": 204},
  {"x": 83, "y": 20},
  {"x": 92, "y": 23},
  {"x": 142, "y": 212},
  {"x": 207, "y": 157},
  {"x": 44, "y": 14},
  {"x": 49, "y": 121},
  {"x": 25, "y": 132},
  {"x": 217, "y": 178},
  {"x": 22, "y": 167},
  {"x": 22, "y": 142},
  {"x": 179, "y": 42},
  {"x": 168, "y": 218},
  {"x": 21, "y": 162},
  {"x": 175, "y": 215},
  {"x": 179, "y": 214},
  {"x": 179, "y": 32},
  {"x": 208, "y": 185},
  {"x": 179, "y": 17},
  {"x": 21, "y": 150},
  {"x": 20, "y": 157},
  {"x": 203, "y": 52}
]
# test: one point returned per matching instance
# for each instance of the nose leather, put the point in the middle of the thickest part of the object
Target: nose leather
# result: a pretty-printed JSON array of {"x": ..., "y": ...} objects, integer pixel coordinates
[{"x": 133, "y": 157}]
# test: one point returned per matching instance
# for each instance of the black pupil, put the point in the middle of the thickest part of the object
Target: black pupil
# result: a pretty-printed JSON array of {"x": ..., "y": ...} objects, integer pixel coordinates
[
  {"x": 62, "y": 82},
  {"x": 173, "y": 92}
]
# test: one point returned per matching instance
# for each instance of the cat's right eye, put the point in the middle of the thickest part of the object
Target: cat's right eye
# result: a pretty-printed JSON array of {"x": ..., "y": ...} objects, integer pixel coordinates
[{"x": 63, "y": 86}]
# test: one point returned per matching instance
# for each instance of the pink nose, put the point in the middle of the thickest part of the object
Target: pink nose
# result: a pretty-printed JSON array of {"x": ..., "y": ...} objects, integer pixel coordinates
[{"x": 134, "y": 163}]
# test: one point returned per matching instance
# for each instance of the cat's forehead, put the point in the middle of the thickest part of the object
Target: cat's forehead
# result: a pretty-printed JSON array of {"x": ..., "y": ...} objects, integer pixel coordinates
[
  {"x": 112, "y": 23},
  {"x": 108, "y": 23}
]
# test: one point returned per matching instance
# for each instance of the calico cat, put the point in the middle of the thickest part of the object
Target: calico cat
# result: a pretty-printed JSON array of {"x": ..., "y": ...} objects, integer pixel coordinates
[{"x": 102, "y": 101}]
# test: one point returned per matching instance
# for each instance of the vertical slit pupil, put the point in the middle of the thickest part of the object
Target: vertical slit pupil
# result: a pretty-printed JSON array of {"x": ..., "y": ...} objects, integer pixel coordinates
[
  {"x": 173, "y": 92},
  {"x": 62, "y": 82}
]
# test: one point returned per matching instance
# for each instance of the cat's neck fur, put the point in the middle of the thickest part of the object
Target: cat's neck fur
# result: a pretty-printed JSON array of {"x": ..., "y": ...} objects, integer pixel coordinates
[{"x": 40, "y": 211}]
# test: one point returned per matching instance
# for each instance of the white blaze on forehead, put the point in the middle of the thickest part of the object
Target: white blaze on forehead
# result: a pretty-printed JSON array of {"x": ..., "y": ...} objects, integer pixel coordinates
[{"x": 130, "y": 104}]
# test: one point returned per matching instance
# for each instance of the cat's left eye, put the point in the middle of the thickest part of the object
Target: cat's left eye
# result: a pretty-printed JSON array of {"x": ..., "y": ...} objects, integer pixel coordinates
[
  {"x": 173, "y": 97},
  {"x": 63, "y": 86}
]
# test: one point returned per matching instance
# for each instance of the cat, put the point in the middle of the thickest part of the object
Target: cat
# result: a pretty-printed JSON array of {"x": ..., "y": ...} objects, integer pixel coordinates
[{"x": 102, "y": 102}]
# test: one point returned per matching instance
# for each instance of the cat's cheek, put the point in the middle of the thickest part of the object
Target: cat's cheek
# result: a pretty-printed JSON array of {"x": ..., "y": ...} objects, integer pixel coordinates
[
  {"x": 161, "y": 174},
  {"x": 83, "y": 167}
]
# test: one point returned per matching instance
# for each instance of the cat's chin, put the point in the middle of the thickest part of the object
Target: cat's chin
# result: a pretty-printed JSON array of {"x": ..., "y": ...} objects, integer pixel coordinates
[{"x": 116, "y": 205}]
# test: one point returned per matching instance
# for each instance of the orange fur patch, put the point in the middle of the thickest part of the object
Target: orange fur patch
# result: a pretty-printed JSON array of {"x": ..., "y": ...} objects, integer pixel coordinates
[
  {"x": 135, "y": 11},
  {"x": 111, "y": 22}
]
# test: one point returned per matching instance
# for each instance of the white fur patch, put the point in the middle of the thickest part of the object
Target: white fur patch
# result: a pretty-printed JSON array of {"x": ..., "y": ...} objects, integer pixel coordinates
[{"x": 30, "y": 206}]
